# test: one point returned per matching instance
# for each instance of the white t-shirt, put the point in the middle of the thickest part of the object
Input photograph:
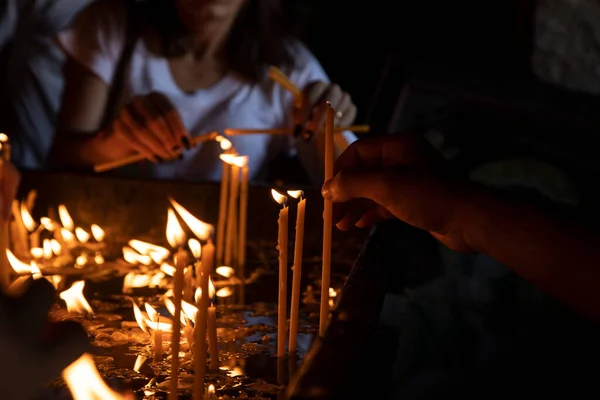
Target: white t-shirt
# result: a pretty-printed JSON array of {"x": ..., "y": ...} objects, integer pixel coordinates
[
  {"x": 32, "y": 79},
  {"x": 96, "y": 40}
]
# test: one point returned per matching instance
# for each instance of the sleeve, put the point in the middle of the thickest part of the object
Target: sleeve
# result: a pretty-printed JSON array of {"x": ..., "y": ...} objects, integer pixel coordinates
[
  {"x": 312, "y": 154},
  {"x": 96, "y": 38},
  {"x": 9, "y": 16}
]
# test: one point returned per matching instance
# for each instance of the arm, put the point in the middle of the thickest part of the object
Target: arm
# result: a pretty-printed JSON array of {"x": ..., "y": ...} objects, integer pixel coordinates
[
  {"x": 553, "y": 253},
  {"x": 77, "y": 140}
]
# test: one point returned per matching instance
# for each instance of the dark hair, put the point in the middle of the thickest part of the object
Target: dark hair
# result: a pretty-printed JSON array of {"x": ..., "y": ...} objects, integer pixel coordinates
[{"x": 261, "y": 35}]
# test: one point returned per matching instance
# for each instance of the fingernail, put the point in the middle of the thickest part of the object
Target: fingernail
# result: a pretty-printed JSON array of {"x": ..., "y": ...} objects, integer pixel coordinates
[
  {"x": 186, "y": 142},
  {"x": 326, "y": 190},
  {"x": 297, "y": 130}
]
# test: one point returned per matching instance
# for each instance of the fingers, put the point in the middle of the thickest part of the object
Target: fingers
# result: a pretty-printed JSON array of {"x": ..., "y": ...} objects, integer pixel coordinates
[
  {"x": 386, "y": 151},
  {"x": 349, "y": 185},
  {"x": 9, "y": 181},
  {"x": 313, "y": 95},
  {"x": 153, "y": 121},
  {"x": 168, "y": 112},
  {"x": 345, "y": 111},
  {"x": 67, "y": 345},
  {"x": 127, "y": 134},
  {"x": 332, "y": 94}
]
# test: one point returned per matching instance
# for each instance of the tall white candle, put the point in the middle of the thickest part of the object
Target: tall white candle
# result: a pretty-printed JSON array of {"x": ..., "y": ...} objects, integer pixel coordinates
[
  {"x": 282, "y": 245},
  {"x": 243, "y": 217},
  {"x": 296, "y": 270}
]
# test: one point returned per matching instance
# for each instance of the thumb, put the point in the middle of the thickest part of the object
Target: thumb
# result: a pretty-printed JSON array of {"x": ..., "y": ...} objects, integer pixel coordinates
[{"x": 347, "y": 185}]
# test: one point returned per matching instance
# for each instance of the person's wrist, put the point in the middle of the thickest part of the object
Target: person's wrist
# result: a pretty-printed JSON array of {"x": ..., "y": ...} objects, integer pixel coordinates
[{"x": 473, "y": 216}]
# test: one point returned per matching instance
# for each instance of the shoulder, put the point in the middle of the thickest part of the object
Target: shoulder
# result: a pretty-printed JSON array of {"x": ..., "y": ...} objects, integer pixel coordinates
[{"x": 106, "y": 19}]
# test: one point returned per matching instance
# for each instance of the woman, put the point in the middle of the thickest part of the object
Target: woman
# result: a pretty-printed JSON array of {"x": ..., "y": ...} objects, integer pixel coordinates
[{"x": 195, "y": 66}]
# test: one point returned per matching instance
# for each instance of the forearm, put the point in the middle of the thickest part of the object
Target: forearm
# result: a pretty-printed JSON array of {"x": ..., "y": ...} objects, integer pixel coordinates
[
  {"x": 557, "y": 255},
  {"x": 82, "y": 150}
]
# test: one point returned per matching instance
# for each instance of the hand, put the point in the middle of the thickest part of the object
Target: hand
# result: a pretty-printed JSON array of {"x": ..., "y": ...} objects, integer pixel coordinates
[
  {"x": 33, "y": 350},
  {"x": 400, "y": 176},
  {"x": 150, "y": 125},
  {"x": 9, "y": 183},
  {"x": 310, "y": 118}
]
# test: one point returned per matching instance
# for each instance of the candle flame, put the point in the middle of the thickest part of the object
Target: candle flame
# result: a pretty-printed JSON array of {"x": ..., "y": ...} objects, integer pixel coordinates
[
  {"x": 240, "y": 161},
  {"x": 198, "y": 295},
  {"x": 85, "y": 383},
  {"x": 332, "y": 292},
  {"x": 171, "y": 309},
  {"x": 224, "y": 292},
  {"x": 297, "y": 194},
  {"x": 27, "y": 218},
  {"x": 139, "y": 317},
  {"x": 157, "y": 253},
  {"x": 55, "y": 280},
  {"x": 48, "y": 223},
  {"x": 56, "y": 247},
  {"x": 133, "y": 280},
  {"x": 211, "y": 389},
  {"x": 227, "y": 158},
  {"x": 175, "y": 235},
  {"x": 152, "y": 314},
  {"x": 3, "y": 138},
  {"x": 98, "y": 233},
  {"x": 38, "y": 252},
  {"x": 211, "y": 289},
  {"x": 201, "y": 229},
  {"x": 75, "y": 300},
  {"x": 278, "y": 197},
  {"x": 225, "y": 271},
  {"x": 81, "y": 260},
  {"x": 133, "y": 257},
  {"x": 47, "y": 251},
  {"x": 168, "y": 269},
  {"x": 195, "y": 248},
  {"x": 19, "y": 266},
  {"x": 139, "y": 362},
  {"x": 99, "y": 258},
  {"x": 224, "y": 142},
  {"x": 189, "y": 310},
  {"x": 68, "y": 236},
  {"x": 82, "y": 235},
  {"x": 65, "y": 218}
]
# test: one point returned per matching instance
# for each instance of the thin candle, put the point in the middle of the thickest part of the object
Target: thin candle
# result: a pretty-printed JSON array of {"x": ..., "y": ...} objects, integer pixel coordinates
[
  {"x": 155, "y": 318},
  {"x": 327, "y": 222},
  {"x": 223, "y": 200},
  {"x": 176, "y": 239},
  {"x": 213, "y": 341},
  {"x": 243, "y": 215},
  {"x": 282, "y": 245},
  {"x": 4, "y": 265},
  {"x": 234, "y": 180},
  {"x": 296, "y": 269},
  {"x": 208, "y": 256}
]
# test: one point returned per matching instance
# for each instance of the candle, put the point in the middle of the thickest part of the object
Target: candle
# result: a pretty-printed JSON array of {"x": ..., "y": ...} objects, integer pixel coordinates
[
  {"x": 20, "y": 241},
  {"x": 176, "y": 238},
  {"x": 29, "y": 223},
  {"x": 208, "y": 255},
  {"x": 213, "y": 341},
  {"x": 155, "y": 318},
  {"x": 234, "y": 180},
  {"x": 188, "y": 285},
  {"x": 327, "y": 222},
  {"x": 282, "y": 243},
  {"x": 223, "y": 203},
  {"x": 196, "y": 249},
  {"x": 4, "y": 265},
  {"x": 297, "y": 269},
  {"x": 242, "y": 232}
]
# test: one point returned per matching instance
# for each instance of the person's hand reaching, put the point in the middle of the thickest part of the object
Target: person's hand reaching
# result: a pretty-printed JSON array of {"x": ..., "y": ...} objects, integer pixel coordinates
[
  {"x": 34, "y": 350},
  {"x": 310, "y": 118},
  {"x": 400, "y": 176},
  {"x": 149, "y": 125},
  {"x": 9, "y": 183}
]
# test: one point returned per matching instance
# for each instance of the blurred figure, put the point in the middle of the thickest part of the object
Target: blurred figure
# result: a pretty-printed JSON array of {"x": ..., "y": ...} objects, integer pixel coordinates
[
  {"x": 145, "y": 77},
  {"x": 31, "y": 71}
]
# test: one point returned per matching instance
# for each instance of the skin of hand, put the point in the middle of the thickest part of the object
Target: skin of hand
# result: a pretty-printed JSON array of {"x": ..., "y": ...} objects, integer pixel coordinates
[
  {"x": 9, "y": 183},
  {"x": 309, "y": 120},
  {"x": 400, "y": 176},
  {"x": 149, "y": 125},
  {"x": 34, "y": 350}
]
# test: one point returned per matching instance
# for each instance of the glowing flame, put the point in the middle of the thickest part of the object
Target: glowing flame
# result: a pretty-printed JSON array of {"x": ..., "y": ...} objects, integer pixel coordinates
[
  {"x": 56, "y": 247},
  {"x": 98, "y": 233},
  {"x": 152, "y": 314},
  {"x": 99, "y": 258},
  {"x": 68, "y": 236},
  {"x": 81, "y": 260},
  {"x": 65, "y": 218},
  {"x": 198, "y": 295},
  {"x": 3, "y": 138},
  {"x": 211, "y": 289},
  {"x": 47, "y": 222},
  {"x": 236, "y": 371},
  {"x": 19, "y": 266},
  {"x": 157, "y": 253},
  {"x": 225, "y": 271},
  {"x": 240, "y": 161},
  {"x": 211, "y": 390},
  {"x": 175, "y": 235},
  {"x": 133, "y": 257},
  {"x": 47, "y": 251},
  {"x": 153, "y": 320},
  {"x": 82, "y": 235},
  {"x": 75, "y": 300},
  {"x": 201, "y": 229},
  {"x": 297, "y": 194},
  {"x": 278, "y": 197},
  {"x": 139, "y": 362},
  {"x": 85, "y": 382},
  {"x": 332, "y": 292},
  {"x": 27, "y": 218},
  {"x": 228, "y": 158},
  {"x": 171, "y": 309},
  {"x": 139, "y": 317},
  {"x": 224, "y": 142},
  {"x": 224, "y": 292},
  {"x": 189, "y": 310},
  {"x": 168, "y": 269},
  {"x": 38, "y": 252},
  {"x": 55, "y": 280},
  {"x": 195, "y": 248}
]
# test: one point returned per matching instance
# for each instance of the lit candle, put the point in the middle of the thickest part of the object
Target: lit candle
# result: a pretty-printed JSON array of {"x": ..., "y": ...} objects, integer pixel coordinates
[
  {"x": 213, "y": 340},
  {"x": 234, "y": 180},
  {"x": 327, "y": 222},
  {"x": 242, "y": 232},
  {"x": 29, "y": 223},
  {"x": 176, "y": 239},
  {"x": 188, "y": 284},
  {"x": 196, "y": 249},
  {"x": 155, "y": 318},
  {"x": 208, "y": 256},
  {"x": 223, "y": 203},
  {"x": 297, "y": 269},
  {"x": 282, "y": 244}
]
